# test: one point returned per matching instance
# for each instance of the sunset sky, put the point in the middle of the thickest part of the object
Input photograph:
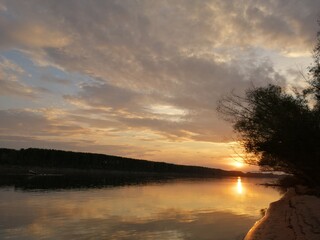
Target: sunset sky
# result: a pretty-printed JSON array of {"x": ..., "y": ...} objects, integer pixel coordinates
[{"x": 142, "y": 79}]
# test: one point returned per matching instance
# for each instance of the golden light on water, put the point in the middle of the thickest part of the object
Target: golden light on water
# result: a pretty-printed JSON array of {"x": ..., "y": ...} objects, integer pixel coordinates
[{"x": 239, "y": 186}]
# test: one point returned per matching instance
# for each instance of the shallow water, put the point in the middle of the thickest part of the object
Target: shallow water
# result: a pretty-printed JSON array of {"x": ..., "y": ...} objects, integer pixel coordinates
[{"x": 222, "y": 208}]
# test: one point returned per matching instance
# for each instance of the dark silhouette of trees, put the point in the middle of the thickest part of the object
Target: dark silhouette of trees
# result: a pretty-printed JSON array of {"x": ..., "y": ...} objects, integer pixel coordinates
[
  {"x": 315, "y": 74},
  {"x": 50, "y": 158},
  {"x": 281, "y": 130}
]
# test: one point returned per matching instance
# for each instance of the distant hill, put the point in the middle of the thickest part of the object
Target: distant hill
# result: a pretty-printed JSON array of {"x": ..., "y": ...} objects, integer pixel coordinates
[{"x": 57, "y": 159}]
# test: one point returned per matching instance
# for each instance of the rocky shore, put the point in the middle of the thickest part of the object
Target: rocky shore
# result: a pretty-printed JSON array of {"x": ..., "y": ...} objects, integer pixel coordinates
[{"x": 295, "y": 216}]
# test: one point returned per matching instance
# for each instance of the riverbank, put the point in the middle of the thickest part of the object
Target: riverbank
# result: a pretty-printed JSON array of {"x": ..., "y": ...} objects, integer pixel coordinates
[
  {"x": 295, "y": 216},
  {"x": 16, "y": 170}
]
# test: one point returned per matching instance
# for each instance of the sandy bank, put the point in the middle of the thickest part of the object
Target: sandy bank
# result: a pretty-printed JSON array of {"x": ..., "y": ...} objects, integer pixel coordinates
[{"x": 292, "y": 217}]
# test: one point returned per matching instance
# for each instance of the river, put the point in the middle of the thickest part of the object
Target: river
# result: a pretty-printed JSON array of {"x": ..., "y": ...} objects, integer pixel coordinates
[{"x": 223, "y": 208}]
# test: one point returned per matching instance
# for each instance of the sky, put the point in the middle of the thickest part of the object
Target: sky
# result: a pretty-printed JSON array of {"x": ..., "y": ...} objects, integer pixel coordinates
[{"x": 142, "y": 79}]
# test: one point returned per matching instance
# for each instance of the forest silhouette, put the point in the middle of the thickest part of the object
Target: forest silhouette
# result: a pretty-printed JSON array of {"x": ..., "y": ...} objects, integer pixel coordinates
[{"x": 58, "y": 159}]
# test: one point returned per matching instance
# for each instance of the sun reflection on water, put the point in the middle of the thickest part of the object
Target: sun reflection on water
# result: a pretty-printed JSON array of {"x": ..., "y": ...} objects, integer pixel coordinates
[{"x": 239, "y": 186}]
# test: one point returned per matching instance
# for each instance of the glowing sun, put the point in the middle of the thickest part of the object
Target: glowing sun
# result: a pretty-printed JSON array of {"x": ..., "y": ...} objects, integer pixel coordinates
[{"x": 238, "y": 164}]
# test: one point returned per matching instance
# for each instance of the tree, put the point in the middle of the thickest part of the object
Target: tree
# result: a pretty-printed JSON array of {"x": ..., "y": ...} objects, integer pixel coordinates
[
  {"x": 281, "y": 130},
  {"x": 315, "y": 73}
]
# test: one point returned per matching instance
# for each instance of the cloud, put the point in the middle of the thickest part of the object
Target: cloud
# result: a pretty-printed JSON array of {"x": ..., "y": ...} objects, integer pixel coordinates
[
  {"x": 192, "y": 103},
  {"x": 104, "y": 95},
  {"x": 53, "y": 128},
  {"x": 29, "y": 32},
  {"x": 33, "y": 123},
  {"x": 11, "y": 76},
  {"x": 140, "y": 57},
  {"x": 57, "y": 80},
  {"x": 139, "y": 45},
  {"x": 157, "y": 29}
]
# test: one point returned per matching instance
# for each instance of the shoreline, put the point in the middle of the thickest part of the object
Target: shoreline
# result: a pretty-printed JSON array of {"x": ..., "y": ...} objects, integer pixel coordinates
[
  {"x": 294, "y": 216},
  {"x": 16, "y": 170}
]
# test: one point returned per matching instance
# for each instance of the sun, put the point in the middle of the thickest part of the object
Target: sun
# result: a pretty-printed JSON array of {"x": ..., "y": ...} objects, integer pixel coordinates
[{"x": 238, "y": 164}]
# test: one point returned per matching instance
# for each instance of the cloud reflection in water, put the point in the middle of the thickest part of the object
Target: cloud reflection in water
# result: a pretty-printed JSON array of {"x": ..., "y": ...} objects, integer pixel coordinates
[{"x": 210, "y": 209}]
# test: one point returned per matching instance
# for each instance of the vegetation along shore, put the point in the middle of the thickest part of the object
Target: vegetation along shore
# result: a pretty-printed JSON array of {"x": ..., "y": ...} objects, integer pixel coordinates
[{"x": 33, "y": 161}]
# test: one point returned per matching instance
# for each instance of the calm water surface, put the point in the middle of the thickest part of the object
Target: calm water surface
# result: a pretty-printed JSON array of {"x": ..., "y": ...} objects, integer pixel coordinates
[{"x": 185, "y": 209}]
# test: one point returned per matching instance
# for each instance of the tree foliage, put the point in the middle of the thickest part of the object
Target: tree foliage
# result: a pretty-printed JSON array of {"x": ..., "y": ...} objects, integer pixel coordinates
[
  {"x": 315, "y": 73},
  {"x": 281, "y": 130}
]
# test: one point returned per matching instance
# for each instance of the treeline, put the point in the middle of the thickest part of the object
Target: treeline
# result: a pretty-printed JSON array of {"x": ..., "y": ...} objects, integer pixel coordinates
[{"x": 49, "y": 158}]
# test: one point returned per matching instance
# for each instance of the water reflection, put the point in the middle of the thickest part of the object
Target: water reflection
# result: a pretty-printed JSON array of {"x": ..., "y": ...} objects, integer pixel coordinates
[
  {"x": 239, "y": 186},
  {"x": 210, "y": 209},
  {"x": 51, "y": 182}
]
